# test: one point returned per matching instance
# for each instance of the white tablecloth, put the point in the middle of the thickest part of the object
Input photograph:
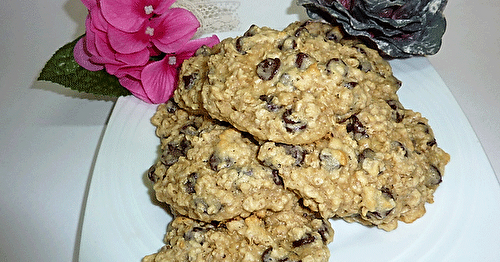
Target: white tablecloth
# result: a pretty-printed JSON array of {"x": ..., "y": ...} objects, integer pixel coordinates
[{"x": 49, "y": 135}]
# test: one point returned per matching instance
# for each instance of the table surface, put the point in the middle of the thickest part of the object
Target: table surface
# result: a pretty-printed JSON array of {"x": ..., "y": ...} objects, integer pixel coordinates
[{"x": 49, "y": 135}]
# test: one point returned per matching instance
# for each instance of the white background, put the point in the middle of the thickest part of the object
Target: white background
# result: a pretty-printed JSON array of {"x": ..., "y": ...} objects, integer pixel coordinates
[{"x": 49, "y": 135}]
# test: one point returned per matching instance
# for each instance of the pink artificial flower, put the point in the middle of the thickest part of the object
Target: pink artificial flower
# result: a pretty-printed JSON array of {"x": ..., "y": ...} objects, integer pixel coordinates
[
  {"x": 93, "y": 51},
  {"x": 126, "y": 37},
  {"x": 130, "y": 15},
  {"x": 167, "y": 32}
]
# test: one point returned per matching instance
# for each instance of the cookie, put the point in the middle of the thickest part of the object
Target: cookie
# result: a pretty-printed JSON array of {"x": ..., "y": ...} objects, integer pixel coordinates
[
  {"x": 289, "y": 235},
  {"x": 192, "y": 77},
  {"x": 377, "y": 167},
  {"x": 289, "y": 86},
  {"x": 209, "y": 170}
]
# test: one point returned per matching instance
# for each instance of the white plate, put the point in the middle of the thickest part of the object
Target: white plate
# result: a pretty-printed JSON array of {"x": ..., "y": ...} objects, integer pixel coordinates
[{"x": 123, "y": 222}]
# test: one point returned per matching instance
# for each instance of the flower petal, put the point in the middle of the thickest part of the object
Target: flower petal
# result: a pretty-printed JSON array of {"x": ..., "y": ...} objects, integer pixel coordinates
[
  {"x": 124, "y": 70},
  {"x": 135, "y": 59},
  {"x": 159, "y": 80},
  {"x": 90, "y": 43},
  {"x": 125, "y": 15},
  {"x": 97, "y": 20},
  {"x": 101, "y": 49},
  {"x": 135, "y": 87},
  {"x": 127, "y": 43},
  {"x": 83, "y": 58},
  {"x": 173, "y": 29}
]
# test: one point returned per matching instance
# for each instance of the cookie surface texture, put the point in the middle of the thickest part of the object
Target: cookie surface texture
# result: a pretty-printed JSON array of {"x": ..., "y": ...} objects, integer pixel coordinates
[
  {"x": 287, "y": 86},
  {"x": 380, "y": 166},
  {"x": 209, "y": 170},
  {"x": 290, "y": 235}
]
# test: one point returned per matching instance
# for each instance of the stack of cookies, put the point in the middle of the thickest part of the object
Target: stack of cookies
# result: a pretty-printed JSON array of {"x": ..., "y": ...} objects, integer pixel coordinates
[{"x": 272, "y": 133}]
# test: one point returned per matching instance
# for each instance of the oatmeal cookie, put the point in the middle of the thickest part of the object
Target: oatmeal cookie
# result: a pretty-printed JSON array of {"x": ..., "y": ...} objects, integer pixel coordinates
[
  {"x": 289, "y": 86},
  {"x": 377, "y": 167},
  {"x": 209, "y": 170},
  {"x": 192, "y": 77},
  {"x": 289, "y": 235}
]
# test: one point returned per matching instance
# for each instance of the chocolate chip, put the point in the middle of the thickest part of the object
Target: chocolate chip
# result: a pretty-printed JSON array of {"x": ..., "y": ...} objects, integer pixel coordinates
[
  {"x": 387, "y": 192},
  {"x": 270, "y": 106},
  {"x": 239, "y": 45},
  {"x": 398, "y": 114},
  {"x": 204, "y": 50},
  {"x": 251, "y": 31},
  {"x": 367, "y": 153},
  {"x": 381, "y": 214},
  {"x": 277, "y": 179},
  {"x": 399, "y": 83},
  {"x": 307, "y": 239},
  {"x": 350, "y": 85},
  {"x": 151, "y": 174},
  {"x": 295, "y": 151},
  {"x": 323, "y": 232},
  {"x": 432, "y": 142},
  {"x": 217, "y": 163},
  {"x": 378, "y": 215},
  {"x": 328, "y": 160},
  {"x": 286, "y": 116},
  {"x": 201, "y": 204},
  {"x": 434, "y": 178},
  {"x": 397, "y": 144},
  {"x": 364, "y": 65},
  {"x": 292, "y": 125},
  {"x": 355, "y": 127},
  {"x": 425, "y": 127},
  {"x": 171, "y": 106},
  {"x": 289, "y": 43},
  {"x": 247, "y": 171},
  {"x": 266, "y": 255},
  {"x": 190, "y": 129},
  {"x": 336, "y": 66},
  {"x": 268, "y": 68},
  {"x": 191, "y": 183},
  {"x": 394, "y": 104},
  {"x": 190, "y": 80},
  {"x": 174, "y": 150},
  {"x": 196, "y": 234},
  {"x": 334, "y": 35},
  {"x": 303, "y": 61},
  {"x": 301, "y": 30}
]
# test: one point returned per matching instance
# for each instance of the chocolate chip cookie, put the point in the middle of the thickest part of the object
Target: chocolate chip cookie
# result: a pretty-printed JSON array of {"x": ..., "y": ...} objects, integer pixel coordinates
[
  {"x": 289, "y": 235},
  {"x": 289, "y": 86},
  {"x": 377, "y": 167},
  {"x": 209, "y": 170}
]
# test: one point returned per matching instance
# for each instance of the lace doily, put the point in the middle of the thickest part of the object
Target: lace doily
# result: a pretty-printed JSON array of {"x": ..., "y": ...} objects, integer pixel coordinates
[{"x": 214, "y": 16}]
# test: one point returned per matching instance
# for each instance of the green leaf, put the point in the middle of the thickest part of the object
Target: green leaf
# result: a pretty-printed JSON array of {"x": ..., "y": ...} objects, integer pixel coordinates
[{"x": 64, "y": 70}]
